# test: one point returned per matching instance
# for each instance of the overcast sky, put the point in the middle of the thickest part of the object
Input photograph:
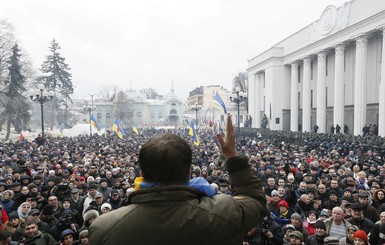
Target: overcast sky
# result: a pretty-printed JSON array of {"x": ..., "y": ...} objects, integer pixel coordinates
[{"x": 154, "y": 43}]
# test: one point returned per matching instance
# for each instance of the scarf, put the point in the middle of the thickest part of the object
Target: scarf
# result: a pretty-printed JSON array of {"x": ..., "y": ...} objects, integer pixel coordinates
[{"x": 198, "y": 183}]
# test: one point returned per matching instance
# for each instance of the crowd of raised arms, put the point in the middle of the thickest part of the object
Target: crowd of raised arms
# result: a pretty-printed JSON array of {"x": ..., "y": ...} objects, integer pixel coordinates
[{"x": 320, "y": 188}]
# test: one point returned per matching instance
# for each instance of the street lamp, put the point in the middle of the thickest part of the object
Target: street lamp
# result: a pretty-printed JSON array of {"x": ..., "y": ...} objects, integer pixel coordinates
[
  {"x": 241, "y": 97},
  {"x": 41, "y": 98},
  {"x": 196, "y": 108},
  {"x": 90, "y": 109}
]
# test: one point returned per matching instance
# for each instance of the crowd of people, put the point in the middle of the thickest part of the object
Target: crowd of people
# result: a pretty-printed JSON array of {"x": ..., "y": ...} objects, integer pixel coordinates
[{"x": 320, "y": 188}]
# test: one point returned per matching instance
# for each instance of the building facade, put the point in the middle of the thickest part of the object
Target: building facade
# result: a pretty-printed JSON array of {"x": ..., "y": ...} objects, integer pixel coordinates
[
  {"x": 134, "y": 109},
  {"x": 330, "y": 72},
  {"x": 204, "y": 97}
]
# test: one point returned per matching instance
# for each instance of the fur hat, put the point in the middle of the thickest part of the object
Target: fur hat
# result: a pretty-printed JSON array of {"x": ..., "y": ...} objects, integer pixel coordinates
[
  {"x": 330, "y": 240},
  {"x": 106, "y": 205},
  {"x": 10, "y": 192},
  {"x": 91, "y": 214}
]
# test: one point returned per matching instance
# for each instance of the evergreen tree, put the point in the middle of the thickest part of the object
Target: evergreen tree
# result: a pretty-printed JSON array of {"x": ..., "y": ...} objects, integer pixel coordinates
[
  {"x": 56, "y": 77},
  {"x": 16, "y": 106}
]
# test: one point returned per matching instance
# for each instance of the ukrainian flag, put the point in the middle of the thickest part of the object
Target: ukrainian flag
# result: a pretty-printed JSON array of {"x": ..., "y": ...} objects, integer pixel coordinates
[
  {"x": 218, "y": 103},
  {"x": 194, "y": 133},
  {"x": 93, "y": 123},
  {"x": 118, "y": 129},
  {"x": 135, "y": 130}
]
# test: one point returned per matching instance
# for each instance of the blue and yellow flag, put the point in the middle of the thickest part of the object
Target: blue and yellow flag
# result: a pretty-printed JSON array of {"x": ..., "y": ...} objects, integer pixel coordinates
[
  {"x": 118, "y": 129},
  {"x": 218, "y": 103},
  {"x": 93, "y": 122},
  {"x": 194, "y": 133},
  {"x": 135, "y": 130}
]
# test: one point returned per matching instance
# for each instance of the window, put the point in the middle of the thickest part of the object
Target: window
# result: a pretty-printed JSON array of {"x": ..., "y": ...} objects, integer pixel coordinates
[
  {"x": 277, "y": 120},
  {"x": 99, "y": 117},
  {"x": 173, "y": 112},
  {"x": 160, "y": 115},
  {"x": 138, "y": 114},
  {"x": 130, "y": 116},
  {"x": 108, "y": 118}
]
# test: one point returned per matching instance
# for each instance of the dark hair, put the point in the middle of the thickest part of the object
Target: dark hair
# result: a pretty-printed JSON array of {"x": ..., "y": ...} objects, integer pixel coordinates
[
  {"x": 4, "y": 235},
  {"x": 166, "y": 159}
]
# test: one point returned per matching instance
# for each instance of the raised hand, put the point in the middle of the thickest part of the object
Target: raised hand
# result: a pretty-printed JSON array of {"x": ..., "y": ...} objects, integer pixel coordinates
[{"x": 228, "y": 144}]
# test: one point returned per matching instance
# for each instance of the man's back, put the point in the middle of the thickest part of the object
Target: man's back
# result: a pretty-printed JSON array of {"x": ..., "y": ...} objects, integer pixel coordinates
[
  {"x": 176, "y": 215},
  {"x": 169, "y": 208}
]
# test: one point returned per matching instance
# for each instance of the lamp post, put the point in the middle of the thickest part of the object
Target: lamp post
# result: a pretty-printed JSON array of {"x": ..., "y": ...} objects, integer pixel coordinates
[
  {"x": 240, "y": 97},
  {"x": 90, "y": 109},
  {"x": 196, "y": 108},
  {"x": 41, "y": 97}
]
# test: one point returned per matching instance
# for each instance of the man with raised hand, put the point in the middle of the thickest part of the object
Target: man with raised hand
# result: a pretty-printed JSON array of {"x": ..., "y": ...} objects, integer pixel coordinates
[{"x": 169, "y": 208}]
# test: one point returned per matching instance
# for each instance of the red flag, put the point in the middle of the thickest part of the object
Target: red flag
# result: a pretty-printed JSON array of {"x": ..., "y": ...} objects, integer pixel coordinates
[{"x": 21, "y": 138}]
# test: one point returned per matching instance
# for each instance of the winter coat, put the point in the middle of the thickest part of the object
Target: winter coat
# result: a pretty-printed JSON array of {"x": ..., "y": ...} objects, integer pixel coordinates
[
  {"x": 362, "y": 224},
  {"x": 178, "y": 214},
  {"x": 314, "y": 240},
  {"x": 328, "y": 224}
]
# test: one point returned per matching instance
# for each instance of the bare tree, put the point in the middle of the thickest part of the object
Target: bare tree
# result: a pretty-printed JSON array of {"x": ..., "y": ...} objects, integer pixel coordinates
[
  {"x": 108, "y": 93},
  {"x": 150, "y": 93},
  {"x": 240, "y": 81}
]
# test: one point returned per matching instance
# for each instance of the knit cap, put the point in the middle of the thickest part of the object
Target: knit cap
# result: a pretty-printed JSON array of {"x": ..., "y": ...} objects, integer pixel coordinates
[
  {"x": 296, "y": 216},
  {"x": 361, "y": 235}
]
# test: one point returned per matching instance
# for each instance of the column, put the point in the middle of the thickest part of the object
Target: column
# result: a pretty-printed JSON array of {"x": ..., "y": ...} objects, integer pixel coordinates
[
  {"x": 339, "y": 89},
  {"x": 257, "y": 101},
  {"x": 381, "y": 102},
  {"x": 252, "y": 94},
  {"x": 294, "y": 97},
  {"x": 360, "y": 85},
  {"x": 321, "y": 92},
  {"x": 306, "y": 95}
]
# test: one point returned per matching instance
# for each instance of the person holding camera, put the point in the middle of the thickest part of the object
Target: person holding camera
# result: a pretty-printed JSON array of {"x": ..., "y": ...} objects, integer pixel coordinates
[{"x": 266, "y": 232}]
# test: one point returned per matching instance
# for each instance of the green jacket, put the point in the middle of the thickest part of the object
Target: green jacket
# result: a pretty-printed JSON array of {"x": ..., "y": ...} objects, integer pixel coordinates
[
  {"x": 41, "y": 239},
  {"x": 182, "y": 215}
]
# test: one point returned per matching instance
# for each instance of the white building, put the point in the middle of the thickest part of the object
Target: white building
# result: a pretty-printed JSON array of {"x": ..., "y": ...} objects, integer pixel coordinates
[
  {"x": 330, "y": 72},
  {"x": 204, "y": 97}
]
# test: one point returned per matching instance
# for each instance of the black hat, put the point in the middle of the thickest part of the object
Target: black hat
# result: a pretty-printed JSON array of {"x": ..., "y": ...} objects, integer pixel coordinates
[
  {"x": 14, "y": 184},
  {"x": 13, "y": 215},
  {"x": 33, "y": 211},
  {"x": 357, "y": 206},
  {"x": 363, "y": 194},
  {"x": 114, "y": 191},
  {"x": 332, "y": 192},
  {"x": 47, "y": 210},
  {"x": 103, "y": 180}
]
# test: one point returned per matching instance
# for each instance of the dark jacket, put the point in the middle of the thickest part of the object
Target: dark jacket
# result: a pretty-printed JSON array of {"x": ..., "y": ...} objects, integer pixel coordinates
[
  {"x": 315, "y": 240},
  {"x": 182, "y": 214},
  {"x": 362, "y": 224}
]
